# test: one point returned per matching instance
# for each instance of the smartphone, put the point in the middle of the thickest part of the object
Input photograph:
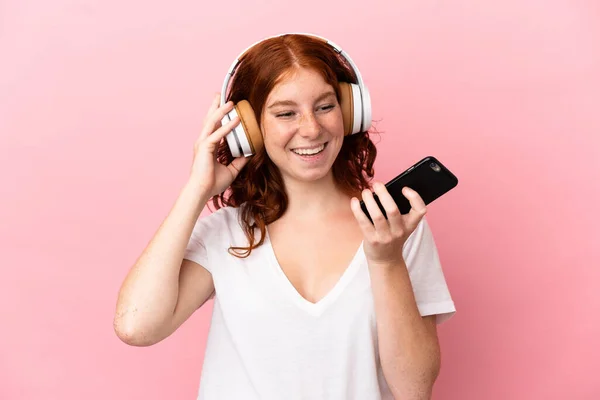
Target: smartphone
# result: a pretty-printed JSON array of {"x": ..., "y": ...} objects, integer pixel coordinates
[{"x": 428, "y": 177}]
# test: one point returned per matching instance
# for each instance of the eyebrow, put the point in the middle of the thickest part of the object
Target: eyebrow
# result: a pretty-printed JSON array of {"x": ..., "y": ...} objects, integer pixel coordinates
[{"x": 291, "y": 103}]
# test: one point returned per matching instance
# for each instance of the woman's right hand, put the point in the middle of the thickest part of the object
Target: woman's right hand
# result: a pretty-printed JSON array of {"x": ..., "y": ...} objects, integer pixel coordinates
[{"x": 207, "y": 172}]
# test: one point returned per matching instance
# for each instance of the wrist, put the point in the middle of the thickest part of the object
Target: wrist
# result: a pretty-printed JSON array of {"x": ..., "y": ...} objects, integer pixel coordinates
[
  {"x": 195, "y": 193},
  {"x": 387, "y": 265}
]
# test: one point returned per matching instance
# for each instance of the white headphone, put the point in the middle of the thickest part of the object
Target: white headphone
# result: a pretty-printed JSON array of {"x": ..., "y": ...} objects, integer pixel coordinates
[{"x": 246, "y": 138}]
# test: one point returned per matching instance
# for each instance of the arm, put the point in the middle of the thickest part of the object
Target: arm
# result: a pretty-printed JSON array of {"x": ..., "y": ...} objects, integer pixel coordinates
[
  {"x": 408, "y": 343},
  {"x": 162, "y": 290}
]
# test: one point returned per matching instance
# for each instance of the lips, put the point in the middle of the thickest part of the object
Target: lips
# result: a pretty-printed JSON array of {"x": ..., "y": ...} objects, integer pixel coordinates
[{"x": 309, "y": 151}]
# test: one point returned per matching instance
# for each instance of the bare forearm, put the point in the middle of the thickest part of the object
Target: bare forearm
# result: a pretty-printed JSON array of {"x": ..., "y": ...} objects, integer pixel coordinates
[
  {"x": 149, "y": 293},
  {"x": 409, "y": 352}
]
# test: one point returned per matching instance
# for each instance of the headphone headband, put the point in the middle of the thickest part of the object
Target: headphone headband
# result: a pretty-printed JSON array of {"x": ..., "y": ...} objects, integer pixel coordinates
[{"x": 335, "y": 47}]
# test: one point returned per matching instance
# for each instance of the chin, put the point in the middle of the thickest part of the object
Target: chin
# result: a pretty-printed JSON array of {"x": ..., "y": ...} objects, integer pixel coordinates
[
  {"x": 309, "y": 176},
  {"x": 303, "y": 174}
]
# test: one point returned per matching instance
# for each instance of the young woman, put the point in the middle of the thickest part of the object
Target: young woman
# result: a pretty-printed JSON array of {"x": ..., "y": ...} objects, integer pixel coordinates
[{"x": 311, "y": 299}]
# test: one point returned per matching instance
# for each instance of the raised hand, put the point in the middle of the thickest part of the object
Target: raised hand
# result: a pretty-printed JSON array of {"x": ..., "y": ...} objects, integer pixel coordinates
[
  {"x": 385, "y": 238},
  {"x": 207, "y": 172}
]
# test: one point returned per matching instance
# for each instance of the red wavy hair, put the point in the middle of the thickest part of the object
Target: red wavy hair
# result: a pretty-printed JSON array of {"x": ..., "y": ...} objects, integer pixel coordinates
[{"x": 259, "y": 189}]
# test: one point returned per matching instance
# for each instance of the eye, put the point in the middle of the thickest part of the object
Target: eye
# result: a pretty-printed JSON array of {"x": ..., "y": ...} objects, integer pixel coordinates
[
  {"x": 285, "y": 114},
  {"x": 327, "y": 107}
]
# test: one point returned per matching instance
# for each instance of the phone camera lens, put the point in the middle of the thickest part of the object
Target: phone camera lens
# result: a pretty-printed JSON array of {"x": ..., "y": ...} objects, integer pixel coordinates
[{"x": 435, "y": 167}]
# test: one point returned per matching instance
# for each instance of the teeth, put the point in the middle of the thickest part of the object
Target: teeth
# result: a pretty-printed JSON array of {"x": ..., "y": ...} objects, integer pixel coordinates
[{"x": 306, "y": 152}]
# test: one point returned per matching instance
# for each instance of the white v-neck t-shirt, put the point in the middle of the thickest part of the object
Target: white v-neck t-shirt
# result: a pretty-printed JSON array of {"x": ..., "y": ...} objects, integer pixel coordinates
[{"x": 268, "y": 342}]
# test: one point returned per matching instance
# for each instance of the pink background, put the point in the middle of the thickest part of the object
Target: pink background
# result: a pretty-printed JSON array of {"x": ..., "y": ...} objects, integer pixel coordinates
[{"x": 100, "y": 103}]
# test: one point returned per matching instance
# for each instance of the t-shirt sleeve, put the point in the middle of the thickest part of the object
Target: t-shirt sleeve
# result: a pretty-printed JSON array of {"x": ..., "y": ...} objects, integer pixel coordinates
[
  {"x": 425, "y": 271},
  {"x": 205, "y": 231}
]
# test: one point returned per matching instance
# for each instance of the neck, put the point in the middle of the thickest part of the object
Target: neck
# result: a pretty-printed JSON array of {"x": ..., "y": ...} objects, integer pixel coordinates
[{"x": 315, "y": 199}]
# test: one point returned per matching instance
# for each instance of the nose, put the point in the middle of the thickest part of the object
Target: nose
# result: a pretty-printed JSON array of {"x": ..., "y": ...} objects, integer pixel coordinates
[{"x": 309, "y": 126}]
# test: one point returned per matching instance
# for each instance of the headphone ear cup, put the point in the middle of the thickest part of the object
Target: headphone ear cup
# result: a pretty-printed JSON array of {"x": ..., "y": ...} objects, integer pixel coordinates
[
  {"x": 245, "y": 139},
  {"x": 248, "y": 121},
  {"x": 347, "y": 106},
  {"x": 352, "y": 106},
  {"x": 367, "y": 118}
]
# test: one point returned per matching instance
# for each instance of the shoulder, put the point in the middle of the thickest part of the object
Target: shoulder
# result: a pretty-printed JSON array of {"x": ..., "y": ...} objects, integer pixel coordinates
[
  {"x": 216, "y": 222},
  {"x": 420, "y": 244},
  {"x": 214, "y": 230},
  {"x": 223, "y": 215},
  {"x": 426, "y": 273},
  {"x": 421, "y": 234},
  {"x": 211, "y": 232}
]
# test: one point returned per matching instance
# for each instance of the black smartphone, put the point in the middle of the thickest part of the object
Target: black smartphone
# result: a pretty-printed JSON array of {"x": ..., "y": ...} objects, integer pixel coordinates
[{"x": 428, "y": 177}]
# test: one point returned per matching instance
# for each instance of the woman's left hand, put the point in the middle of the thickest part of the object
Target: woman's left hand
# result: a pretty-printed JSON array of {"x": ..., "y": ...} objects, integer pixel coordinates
[{"x": 384, "y": 238}]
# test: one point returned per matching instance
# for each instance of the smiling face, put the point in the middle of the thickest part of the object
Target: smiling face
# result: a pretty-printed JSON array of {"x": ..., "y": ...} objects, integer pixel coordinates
[{"x": 302, "y": 126}]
